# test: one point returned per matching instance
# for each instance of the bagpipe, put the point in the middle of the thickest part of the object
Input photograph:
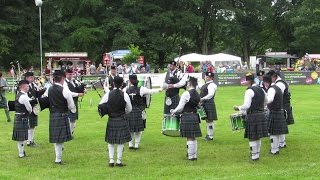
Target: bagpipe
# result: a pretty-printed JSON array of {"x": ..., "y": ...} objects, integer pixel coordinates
[{"x": 38, "y": 104}]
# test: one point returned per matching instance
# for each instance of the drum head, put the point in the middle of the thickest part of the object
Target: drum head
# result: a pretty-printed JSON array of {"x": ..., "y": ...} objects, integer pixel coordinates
[{"x": 148, "y": 84}]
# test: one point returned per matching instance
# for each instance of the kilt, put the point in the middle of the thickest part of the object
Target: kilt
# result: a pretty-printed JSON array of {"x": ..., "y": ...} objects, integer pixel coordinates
[
  {"x": 117, "y": 131},
  {"x": 136, "y": 123},
  {"x": 256, "y": 126},
  {"x": 20, "y": 128},
  {"x": 73, "y": 116},
  {"x": 278, "y": 124},
  {"x": 189, "y": 125},
  {"x": 33, "y": 120},
  {"x": 211, "y": 111},
  {"x": 175, "y": 101},
  {"x": 290, "y": 119},
  {"x": 59, "y": 128}
]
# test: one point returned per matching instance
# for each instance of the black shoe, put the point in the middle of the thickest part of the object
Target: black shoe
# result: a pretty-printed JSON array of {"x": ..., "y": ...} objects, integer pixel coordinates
[
  {"x": 194, "y": 159},
  {"x": 111, "y": 164},
  {"x": 283, "y": 146},
  {"x": 8, "y": 120},
  {"x": 135, "y": 148},
  {"x": 276, "y": 153},
  {"x": 255, "y": 159},
  {"x": 59, "y": 163},
  {"x": 120, "y": 165},
  {"x": 131, "y": 148},
  {"x": 207, "y": 138}
]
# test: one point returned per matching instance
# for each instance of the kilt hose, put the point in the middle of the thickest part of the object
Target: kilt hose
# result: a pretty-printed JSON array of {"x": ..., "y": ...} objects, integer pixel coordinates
[
  {"x": 256, "y": 126},
  {"x": 278, "y": 124},
  {"x": 117, "y": 131},
  {"x": 175, "y": 101},
  {"x": 33, "y": 120},
  {"x": 59, "y": 128},
  {"x": 210, "y": 109},
  {"x": 136, "y": 123},
  {"x": 20, "y": 128},
  {"x": 289, "y": 119},
  {"x": 189, "y": 125},
  {"x": 73, "y": 116}
]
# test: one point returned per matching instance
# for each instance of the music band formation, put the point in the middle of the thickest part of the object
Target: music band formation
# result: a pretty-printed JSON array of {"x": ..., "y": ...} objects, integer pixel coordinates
[{"x": 266, "y": 111}]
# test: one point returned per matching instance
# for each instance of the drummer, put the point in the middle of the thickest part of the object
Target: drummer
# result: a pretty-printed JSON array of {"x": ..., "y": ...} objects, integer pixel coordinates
[
  {"x": 278, "y": 125},
  {"x": 260, "y": 78},
  {"x": 173, "y": 82},
  {"x": 136, "y": 117},
  {"x": 23, "y": 109},
  {"x": 3, "y": 100},
  {"x": 256, "y": 124},
  {"x": 190, "y": 120},
  {"x": 207, "y": 94},
  {"x": 33, "y": 93}
]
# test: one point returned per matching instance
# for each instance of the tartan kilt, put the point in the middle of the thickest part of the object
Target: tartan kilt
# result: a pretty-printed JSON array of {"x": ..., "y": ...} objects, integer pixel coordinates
[
  {"x": 211, "y": 111},
  {"x": 73, "y": 116},
  {"x": 189, "y": 125},
  {"x": 117, "y": 131},
  {"x": 175, "y": 101},
  {"x": 20, "y": 128},
  {"x": 289, "y": 119},
  {"x": 278, "y": 124},
  {"x": 59, "y": 128},
  {"x": 256, "y": 126},
  {"x": 33, "y": 120},
  {"x": 136, "y": 123}
]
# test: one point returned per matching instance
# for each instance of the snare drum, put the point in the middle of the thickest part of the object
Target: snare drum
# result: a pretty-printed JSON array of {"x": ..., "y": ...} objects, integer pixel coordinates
[
  {"x": 202, "y": 113},
  {"x": 171, "y": 125},
  {"x": 237, "y": 121}
]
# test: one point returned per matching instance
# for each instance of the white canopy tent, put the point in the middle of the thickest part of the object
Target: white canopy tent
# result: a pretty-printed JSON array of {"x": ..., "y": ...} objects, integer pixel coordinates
[{"x": 193, "y": 57}]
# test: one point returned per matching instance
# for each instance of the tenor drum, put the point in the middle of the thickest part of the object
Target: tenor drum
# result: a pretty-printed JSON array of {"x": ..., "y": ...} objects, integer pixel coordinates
[
  {"x": 237, "y": 121},
  {"x": 171, "y": 125},
  {"x": 202, "y": 113}
]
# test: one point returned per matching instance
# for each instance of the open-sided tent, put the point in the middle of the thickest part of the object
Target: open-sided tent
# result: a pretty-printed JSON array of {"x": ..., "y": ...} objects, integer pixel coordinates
[
  {"x": 224, "y": 59},
  {"x": 193, "y": 57}
]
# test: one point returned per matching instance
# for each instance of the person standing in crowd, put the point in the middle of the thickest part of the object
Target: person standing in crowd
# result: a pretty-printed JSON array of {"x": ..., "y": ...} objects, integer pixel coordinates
[
  {"x": 23, "y": 109},
  {"x": 72, "y": 86},
  {"x": 208, "y": 92},
  {"x": 283, "y": 85},
  {"x": 69, "y": 65},
  {"x": 93, "y": 69},
  {"x": 101, "y": 69},
  {"x": 113, "y": 74},
  {"x": 3, "y": 99},
  {"x": 33, "y": 93},
  {"x": 260, "y": 80},
  {"x": 256, "y": 124},
  {"x": 190, "y": 68},
  {"x": 60, "y": 102},
  {"x": 137, "y": 117},
  {"x": 120, "y": 69},
  {"x": 142, "y": 69},
  {"x": 173, "y": 82},
  {"x": 147, "y": 68},
  {"x": 276, "y": 118},
  {"x": 189, "y": 126},
  {"x": 117, "y": 131}
]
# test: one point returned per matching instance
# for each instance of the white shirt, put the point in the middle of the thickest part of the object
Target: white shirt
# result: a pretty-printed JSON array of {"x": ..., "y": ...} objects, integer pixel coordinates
[
  {"x": 25, "y": 100},
  {"x": 65, "y": 86},
  {"x": 126, "y": 98},
  {"x": 212, "y": 88},
  {"x": 270, "y": 95},
  {"x": 185, "y": 97},
  {"x": 280, "y": 85},
  {"x": 249, "y": 94}
]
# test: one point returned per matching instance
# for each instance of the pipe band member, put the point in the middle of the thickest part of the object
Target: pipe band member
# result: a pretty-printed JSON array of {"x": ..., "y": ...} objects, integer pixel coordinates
[
  {"x": 190, "y": 120},
  {"x": 3, "y": 100},
  {"x": 256, "y": 124}
]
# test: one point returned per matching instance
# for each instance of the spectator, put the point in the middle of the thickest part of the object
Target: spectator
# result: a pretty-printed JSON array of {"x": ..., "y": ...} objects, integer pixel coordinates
[
  {"x": 101, "y": 69},
  {"x": 120, "y": 69},
  {"x": 142, "y": 69},
  {"x": 93, "y": 69},
  {"x": 147, "y": 68},
  {"x": 190, "y": 68},
  {"x": 31, "y": 69}
]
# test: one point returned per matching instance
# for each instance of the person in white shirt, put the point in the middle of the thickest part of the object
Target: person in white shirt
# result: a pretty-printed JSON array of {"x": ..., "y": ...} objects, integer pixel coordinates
[
  {"x": 136, "y": 118},
  {"x": 59, "y": 126},
  {"x": 207, "y": 94},
  {"x": 117, "y": 131},
  {"x": 256, "y": 124},
  {"x": 276, "y": 118},
  {"x": 190, "y": 120},
  {"x": 283, "y": 85},
  {"x": 23, "y": 109}
]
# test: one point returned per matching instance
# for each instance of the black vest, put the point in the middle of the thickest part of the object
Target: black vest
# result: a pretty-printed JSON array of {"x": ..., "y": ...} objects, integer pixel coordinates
[
  {"x": 58, "y": 104},
  {"x": 20, "y": 108},
  {"x": 32, "y": 93},
  {"x": 116, "y": 103},
  {"x": 172, "y": 80},
  {"x": 204, "y": 91},
  {"x": 135, "y": 97},
  {"x": 194, "y": 100},
  {"x": 111, "y": 86},
  {"x": 276, "y": 105},
  {"x": 286, "y": 93},
  {"x": 257, "y": 103},
  {"x": 73, "y": 88}
]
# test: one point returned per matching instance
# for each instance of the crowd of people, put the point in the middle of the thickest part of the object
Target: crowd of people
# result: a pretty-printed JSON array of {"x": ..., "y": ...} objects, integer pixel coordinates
[{"x": 133, "y": 68}]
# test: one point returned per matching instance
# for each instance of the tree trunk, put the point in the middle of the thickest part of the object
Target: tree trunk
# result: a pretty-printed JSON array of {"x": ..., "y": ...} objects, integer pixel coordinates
[
  {"x": 161, "y": 55},
  {"x": 205, "y": 33},
  {"x": 246, "y": 50}
]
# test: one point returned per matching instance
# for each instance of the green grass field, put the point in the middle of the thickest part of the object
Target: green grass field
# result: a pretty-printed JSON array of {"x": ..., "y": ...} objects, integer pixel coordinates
[{"x": 162, "y": 157}]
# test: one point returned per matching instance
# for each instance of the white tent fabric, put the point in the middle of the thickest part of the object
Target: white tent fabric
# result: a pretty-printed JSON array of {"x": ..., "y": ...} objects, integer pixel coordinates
[
  {"x": 223, "y": 57},
  {"x": 193, "y": 57}
]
